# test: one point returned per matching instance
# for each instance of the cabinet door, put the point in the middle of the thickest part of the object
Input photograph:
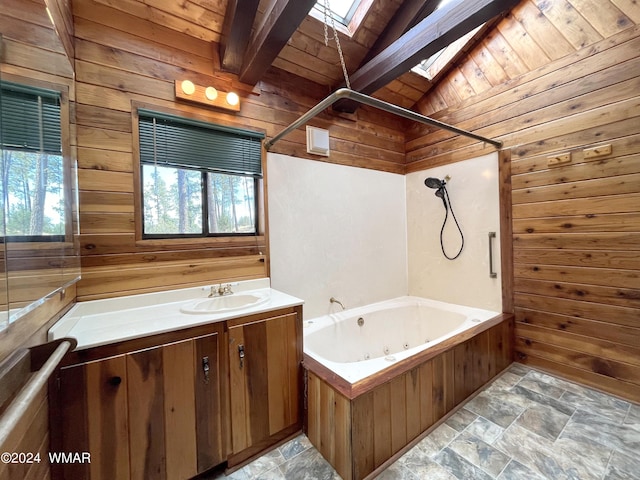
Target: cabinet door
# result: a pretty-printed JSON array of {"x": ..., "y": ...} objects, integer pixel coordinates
[
  {"x": 152, "y": 414},
  {"x": 264, "y": 370},
  {"x": 174, "y": 409},
  {"x": 209, "y": 433},
  {"x": 93, "y": 418}
]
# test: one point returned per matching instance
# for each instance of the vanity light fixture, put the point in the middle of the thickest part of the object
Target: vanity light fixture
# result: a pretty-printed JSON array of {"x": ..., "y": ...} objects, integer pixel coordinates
[
  {"x": 232, "y": 98},
  {"x": 211, "y": 93},
  {"x": 206, "y": 95},
  {"x": 187, "y": 87}
]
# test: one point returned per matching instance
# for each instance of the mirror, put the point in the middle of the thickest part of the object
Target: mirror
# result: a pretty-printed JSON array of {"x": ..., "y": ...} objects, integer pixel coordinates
[
  {"x": 4, "y": 302},
  {"x": 40, "y": 241}
]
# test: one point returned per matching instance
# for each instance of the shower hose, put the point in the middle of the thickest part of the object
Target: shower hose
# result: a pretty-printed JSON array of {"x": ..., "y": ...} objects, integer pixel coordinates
[{"x": 447, "y": 207}]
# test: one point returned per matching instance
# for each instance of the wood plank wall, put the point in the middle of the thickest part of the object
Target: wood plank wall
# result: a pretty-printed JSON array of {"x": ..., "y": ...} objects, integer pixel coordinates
[
  {"x": 31, "y": 49},
  {"x": 576, "y": 227},
  {"x": 31, "y": 435},
  {"x": 60, "y": 12},
  {"x": 120, "y": 59},
  {"x": 535, "y": 33}
]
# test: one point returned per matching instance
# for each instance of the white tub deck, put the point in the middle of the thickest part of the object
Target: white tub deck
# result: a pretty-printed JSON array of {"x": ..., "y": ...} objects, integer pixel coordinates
[{"x": 391, "y": 331}]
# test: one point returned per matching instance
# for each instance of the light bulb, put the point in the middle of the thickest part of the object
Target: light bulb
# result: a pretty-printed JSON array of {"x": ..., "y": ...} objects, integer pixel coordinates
[
  {"x": 211, "y": 93},
  {"x": 188, "y": 87},
  {"x": 232, "y": 98}
]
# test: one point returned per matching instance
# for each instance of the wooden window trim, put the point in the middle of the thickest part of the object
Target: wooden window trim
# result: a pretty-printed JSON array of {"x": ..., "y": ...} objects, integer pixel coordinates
[{"x": 217, "y": 242}]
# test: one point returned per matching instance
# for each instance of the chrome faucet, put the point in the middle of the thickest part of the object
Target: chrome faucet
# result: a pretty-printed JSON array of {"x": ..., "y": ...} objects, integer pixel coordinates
[
  {"x": 221, "y": 290},
  {"x": 334, "y": 300}
]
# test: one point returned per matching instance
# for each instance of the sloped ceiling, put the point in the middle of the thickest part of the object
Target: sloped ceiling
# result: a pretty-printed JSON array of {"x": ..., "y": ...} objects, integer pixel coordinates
[
  {"x": 532, "y": 35},
  {"x": 252, "y": 36}
]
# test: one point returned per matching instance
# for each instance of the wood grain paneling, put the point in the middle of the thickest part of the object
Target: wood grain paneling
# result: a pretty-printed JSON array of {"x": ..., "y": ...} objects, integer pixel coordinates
[
  {"x": 28, "y": 439},
  {"x": 129, "y": 53},
  {"x": 32, "y": 52},
  {"x": 30, "y": 435},
  {"x": 107, "y": 401},
  {"x": 60, "y": 14},
  {"x": 179, "y": 412},
  {"x": 576, "y": 230},
  {"x": 359, "y": 435},
  {"x": 149, "y": 411},
  {"x": 210, "y": 403},
  {"x": 265, "y": 378},
  {"x": 145, "y": 385},
  {"x": 534, "y": 34}
]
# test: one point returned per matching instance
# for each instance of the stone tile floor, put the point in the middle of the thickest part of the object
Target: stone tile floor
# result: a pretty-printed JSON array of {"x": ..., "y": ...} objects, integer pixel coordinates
[{"x": 524, "y": 425}]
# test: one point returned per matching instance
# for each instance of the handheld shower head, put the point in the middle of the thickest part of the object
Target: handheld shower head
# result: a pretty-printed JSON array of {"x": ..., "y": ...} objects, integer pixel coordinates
[
  {"x": 440, "y": 194},
  {"x": 439, "y": 186},
  {"x": 432, "y": 182}
]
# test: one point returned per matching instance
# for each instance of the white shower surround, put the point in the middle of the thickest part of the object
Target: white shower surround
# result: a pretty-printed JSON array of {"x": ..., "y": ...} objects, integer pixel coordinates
[
  {"x": 474, "y": 194},
  {"x": 336, "y": 231},
  {"x": 365, "y": 236}
]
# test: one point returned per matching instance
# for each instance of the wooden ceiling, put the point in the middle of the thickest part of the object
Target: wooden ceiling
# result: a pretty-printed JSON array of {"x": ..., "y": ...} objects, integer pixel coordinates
[{"x": 251, "y": 36}]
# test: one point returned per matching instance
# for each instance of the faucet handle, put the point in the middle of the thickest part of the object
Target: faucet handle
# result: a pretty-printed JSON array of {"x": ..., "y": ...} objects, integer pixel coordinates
[{"x": 227, "y": 289}]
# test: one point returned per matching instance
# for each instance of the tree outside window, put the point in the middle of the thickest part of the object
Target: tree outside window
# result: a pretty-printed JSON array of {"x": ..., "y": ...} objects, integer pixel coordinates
[
  {"x": 197, "y": 180},
  {"x": 32, "y": 170},
  {"x": 34, "y": 198}
]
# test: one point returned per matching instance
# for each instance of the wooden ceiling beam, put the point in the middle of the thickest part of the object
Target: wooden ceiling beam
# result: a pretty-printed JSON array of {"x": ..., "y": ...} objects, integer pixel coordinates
[
  {"x": 433, "y": 33},
  {"x": 408, "y": 15},
  {"x": 236, "y": 33},
  {"x": 281, "y": 21}
]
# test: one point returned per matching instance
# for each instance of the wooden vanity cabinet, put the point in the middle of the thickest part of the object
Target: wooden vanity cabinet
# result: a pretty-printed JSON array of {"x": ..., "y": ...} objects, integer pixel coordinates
[
  {"x": 154, "y": 413},
  {"x": 173, "y": 405},
  {"x": 265, "y": 382}
]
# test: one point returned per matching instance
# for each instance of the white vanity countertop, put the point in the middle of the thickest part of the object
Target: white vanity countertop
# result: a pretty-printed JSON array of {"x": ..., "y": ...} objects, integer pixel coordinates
[{"x": 101, "y": 322}]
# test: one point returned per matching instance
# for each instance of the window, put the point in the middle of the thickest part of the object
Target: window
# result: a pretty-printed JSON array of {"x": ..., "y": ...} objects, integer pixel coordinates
[
  {"x": 443, "y": 59},
  {"x": 341, "y": 10},
  {"x": 198, "y": 179},
  {"x": 32, "y": 164}
]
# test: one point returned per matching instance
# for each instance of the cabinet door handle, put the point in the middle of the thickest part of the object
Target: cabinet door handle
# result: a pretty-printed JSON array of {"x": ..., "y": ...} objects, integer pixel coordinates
[
  {"x": 115, "y": 381},
  {"x": 205, "y": 368},
  {"x": 241, "y": 355}
]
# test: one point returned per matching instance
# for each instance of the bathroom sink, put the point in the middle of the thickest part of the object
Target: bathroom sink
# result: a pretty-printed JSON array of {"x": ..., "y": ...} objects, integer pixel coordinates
[{"x": 225, "y": 303}]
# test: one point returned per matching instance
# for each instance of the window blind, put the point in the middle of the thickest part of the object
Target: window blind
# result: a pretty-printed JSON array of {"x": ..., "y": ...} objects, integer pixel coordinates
[
  {"x": 181, "y": 142},
  {"x": 30, "y": 118}
]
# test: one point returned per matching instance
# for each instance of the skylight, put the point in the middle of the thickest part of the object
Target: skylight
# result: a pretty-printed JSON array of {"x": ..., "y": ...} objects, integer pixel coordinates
[
  {"x": 431, "y": 66},
  {"x": 341, "y": 10}
]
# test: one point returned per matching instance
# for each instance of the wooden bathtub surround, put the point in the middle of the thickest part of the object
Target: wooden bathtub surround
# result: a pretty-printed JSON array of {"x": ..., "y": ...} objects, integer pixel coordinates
[
  {"x": 177, "y": 404},
  {"x": 359, "y": 427}
]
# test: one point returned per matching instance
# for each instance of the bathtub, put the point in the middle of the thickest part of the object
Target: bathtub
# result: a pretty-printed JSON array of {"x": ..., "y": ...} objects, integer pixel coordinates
[
  {"x": 358, "y": 343},
  {"x": 379, "y": 377}
]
